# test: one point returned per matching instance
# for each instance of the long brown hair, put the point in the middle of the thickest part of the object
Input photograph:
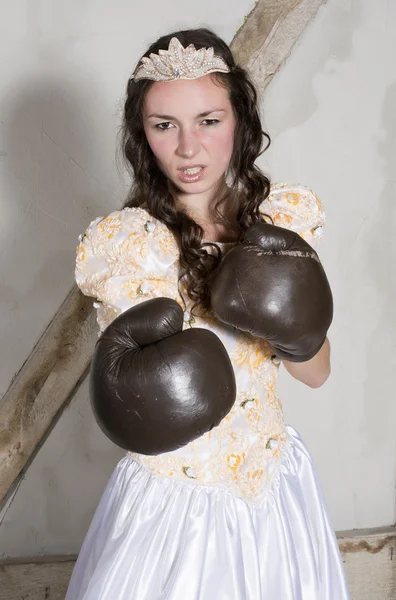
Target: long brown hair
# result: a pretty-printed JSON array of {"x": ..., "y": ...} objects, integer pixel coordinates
[{"x": 150, "y": 186}]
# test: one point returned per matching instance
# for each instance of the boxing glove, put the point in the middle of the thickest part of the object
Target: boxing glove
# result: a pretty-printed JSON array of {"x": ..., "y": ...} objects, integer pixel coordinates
[
  {"x": 155, "y": 387},
  {"x": 273, "y": 285}
]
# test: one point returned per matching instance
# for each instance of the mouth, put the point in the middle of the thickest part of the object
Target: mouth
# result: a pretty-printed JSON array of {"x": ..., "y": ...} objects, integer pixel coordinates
[{"x": 191, "y": 174}]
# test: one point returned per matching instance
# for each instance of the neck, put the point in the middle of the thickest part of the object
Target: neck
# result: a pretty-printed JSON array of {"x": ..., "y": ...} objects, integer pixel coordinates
[{"x": 201, "y": 207}]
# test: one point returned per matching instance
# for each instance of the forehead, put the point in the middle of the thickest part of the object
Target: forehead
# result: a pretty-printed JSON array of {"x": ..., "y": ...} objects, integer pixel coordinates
[{"x": 186, "y": 96}]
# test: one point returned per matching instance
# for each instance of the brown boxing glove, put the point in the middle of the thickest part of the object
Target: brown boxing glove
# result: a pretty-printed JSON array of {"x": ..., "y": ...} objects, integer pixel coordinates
[
  {"x": 273, "y": 285},
  {"x": 154, "y": 387}
]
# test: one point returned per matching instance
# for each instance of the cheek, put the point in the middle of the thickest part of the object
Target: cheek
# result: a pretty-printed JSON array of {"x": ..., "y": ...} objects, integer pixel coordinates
[
  {"x": 222, "y": 144},
  {"x": 159, "y": 145}
]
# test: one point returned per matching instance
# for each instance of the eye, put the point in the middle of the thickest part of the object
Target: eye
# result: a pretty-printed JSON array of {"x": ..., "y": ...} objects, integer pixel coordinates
[
  {"x": 211, "y": 121},
  {"x": 163, "y": 126}
]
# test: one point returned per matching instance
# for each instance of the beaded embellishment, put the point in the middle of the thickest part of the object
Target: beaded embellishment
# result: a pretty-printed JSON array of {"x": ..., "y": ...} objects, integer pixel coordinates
[{"x": 180, "y": 63}]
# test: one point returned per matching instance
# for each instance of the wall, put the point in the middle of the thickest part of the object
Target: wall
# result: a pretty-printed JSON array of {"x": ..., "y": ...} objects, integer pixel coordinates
[{"x": 329, "y": 112}]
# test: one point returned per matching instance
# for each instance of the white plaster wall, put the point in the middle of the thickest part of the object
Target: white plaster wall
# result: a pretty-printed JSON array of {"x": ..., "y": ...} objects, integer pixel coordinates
[{"x": 330, "y": 112}]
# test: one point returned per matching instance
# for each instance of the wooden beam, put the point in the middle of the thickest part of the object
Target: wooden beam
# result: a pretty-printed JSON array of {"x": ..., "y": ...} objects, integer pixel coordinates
[
  {"x": 368, "y": 555},
  {"x": 57, "y": 365},
  {"x": 268, "y": 35},
  {"x": 43, "y": 387}
]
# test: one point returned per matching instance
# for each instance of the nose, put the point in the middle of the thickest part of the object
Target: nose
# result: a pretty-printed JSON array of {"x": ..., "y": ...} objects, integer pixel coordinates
[{"x": 188, "y": 145}]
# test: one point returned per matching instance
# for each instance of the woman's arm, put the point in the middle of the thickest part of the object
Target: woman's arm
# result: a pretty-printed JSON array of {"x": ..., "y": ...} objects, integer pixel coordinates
[{"x": 313, "y": 372}]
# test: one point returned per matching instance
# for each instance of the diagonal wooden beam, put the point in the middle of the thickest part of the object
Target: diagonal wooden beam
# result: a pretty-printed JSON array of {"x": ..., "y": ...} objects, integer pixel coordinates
[
  {"x": 44, "y": 386},
  {"x": 60, "y": 360},
  {"x": 268, "y": 35}
]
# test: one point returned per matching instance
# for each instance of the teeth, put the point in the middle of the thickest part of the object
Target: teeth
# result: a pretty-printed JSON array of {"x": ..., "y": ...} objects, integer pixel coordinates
[{"x": 192, "y": 171}]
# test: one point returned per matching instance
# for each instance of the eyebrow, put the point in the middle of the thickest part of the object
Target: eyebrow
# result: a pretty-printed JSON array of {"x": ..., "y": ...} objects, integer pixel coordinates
[{"x": 170, "y": 118}]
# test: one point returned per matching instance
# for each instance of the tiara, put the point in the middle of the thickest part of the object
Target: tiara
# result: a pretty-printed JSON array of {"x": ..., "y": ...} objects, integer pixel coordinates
[{"x": 180, "y": 63}]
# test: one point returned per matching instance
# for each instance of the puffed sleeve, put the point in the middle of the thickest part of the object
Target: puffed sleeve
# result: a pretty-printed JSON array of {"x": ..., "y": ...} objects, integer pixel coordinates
[
  {"x": 124, "y": 259},
  {"x": 298, "y": 208}
]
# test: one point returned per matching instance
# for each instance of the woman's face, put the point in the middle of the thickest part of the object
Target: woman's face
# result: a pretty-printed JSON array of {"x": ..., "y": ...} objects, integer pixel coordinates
[{"x": 189, "y": 124}]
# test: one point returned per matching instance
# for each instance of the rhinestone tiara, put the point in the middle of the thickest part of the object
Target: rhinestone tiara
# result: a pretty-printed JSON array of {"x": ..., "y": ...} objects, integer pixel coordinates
[{"x": 180, "y": 63}]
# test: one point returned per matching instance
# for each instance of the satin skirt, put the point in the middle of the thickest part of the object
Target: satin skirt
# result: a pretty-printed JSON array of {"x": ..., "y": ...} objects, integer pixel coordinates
[{"x": 153, "y": 538}]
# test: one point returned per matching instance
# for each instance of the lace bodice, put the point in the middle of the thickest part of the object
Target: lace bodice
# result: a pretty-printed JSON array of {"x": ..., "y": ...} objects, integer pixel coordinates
[{"x": 129, "y": 257}]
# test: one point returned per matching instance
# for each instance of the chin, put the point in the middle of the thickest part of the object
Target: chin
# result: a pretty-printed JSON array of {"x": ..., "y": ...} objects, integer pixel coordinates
[{"x": 198, "y": 187}]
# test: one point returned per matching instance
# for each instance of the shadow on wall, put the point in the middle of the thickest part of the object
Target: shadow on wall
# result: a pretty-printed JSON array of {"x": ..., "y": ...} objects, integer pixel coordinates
[
  {"x": 330, "y": 36},
  {"x": 58, "y": 173}
]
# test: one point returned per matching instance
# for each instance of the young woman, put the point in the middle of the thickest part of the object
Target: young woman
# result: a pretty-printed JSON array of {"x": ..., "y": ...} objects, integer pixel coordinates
[{"x": 232, "y": 509}]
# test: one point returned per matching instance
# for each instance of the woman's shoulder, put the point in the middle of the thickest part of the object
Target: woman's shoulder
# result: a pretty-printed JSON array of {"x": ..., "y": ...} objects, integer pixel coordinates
[
  {"x": 133, "y": 225},
  {"x": 135, "y": 219},
  {"x": 295, "y": 206},
  {"x": 125, "y": 258},
  {"x": 295, "y": 195}
]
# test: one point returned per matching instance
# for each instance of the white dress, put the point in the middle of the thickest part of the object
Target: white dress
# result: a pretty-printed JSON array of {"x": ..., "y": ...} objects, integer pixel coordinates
[{"x": 237, "y": 514}]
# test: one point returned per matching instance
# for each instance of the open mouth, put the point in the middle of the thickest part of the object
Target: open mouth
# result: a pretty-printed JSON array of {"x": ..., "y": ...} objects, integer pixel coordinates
[{"x": 192, "y": 174}]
